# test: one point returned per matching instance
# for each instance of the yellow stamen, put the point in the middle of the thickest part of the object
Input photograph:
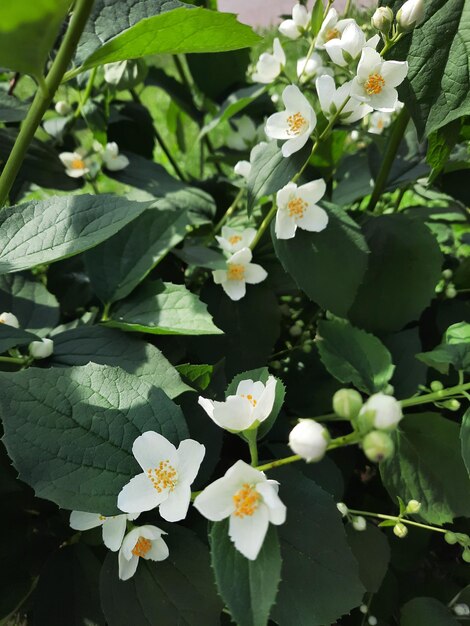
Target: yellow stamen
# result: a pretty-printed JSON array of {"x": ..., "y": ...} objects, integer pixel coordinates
[
  {"x": 250, "y": 399},
  {"x": 234, "y": 239},
  {"x": 235, "y": 271},
  {"x": 163, "y": 477},
  {"x": 297, "y": 208},
  {"x": 141, "y": 547},
  {"x": 297, "y": 123},
  {"x": 333, "y": 33},
  {"x": 78, "y": 164},
  {"x": 374, "y": 85},
  {"x": 246, "y": 501}
]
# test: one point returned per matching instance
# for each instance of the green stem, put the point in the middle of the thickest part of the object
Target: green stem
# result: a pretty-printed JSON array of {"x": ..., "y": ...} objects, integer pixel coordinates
[
  {"x": 251, "y": 437},
  {"x": 87, "y": 93},
  {"x": 435, "y": 396},
  {"x": 396, "y": 518},
  {"x": 14, "y": 360},
  {"x": 389, "y": 157},
  {"x": 307, "y": 59},
  {"x": 264, "y": 225},
  {"x": 43, "y": 100},
  {"x": 229, "y": 212},
  {"x": 347, "y": 8},
  {"x": 106, "y": 312}
]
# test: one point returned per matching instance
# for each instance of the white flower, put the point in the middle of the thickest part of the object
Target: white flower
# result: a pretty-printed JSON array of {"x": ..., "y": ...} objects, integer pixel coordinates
[
  {"x": 239, "y": 271},
  {"x": 332, "y": 99},
  {"x": 269, "y": 66},
  {"x": 166, "y": 478},
  {"x": 295, "y": 124},
  {"x": 62, "y": 108},
  {"x": 384, "y": 410},
  {"x": 309, "y": 439},
  {"x": 75, "y": 164},
  {"x": 9, "y": 319},
  {"x": 114, "y": 527},
  {"x": 331, "y": 28},
  {"x": 296, "y": 208},
  {"x": 245, "y": 134},
  {"x": 242, "y": 168},
  {"x": 233, "y": 240},
  {"x": 143, "y": 542},
  {"x": 252, "y": 404},
  {"x": 410, "y": 15},
  {"x": 378, "y": 121},
  {"x": 41, "y": 349},
  {"x": 113, "y": 161},
  {"x": 376, "y": 81},
  {"x": 307, "y": 69},
  {"x": 299, "y": 23},
  {"x": 251, "y": 502},
  {"x": 349, "y": 46}
]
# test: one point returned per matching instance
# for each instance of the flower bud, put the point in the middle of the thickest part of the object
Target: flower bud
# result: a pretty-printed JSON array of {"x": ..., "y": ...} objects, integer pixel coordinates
[
  {"x": 400, "y": 530},
  {"x": 62, "y": 107},
  {"x": 9, "y": 319},
  {"x": 378, "y": 446},
  {"x": 462, "y": 610},
  {"x": 41, "y": 349},
  {"x": 342, "y": 508},
  {"x": 309, "y": 439},
  {"x": 347, "y": 403},
  {"x": 372, "y": 620},
  {"x": 384, "y": 412},
  {"x": 451, "y": 405},
  {"x": 450, "y": 538},
  {"x": 382, "y": 19},
  {"x": 359, "y": 523},
  {"x": 451, "y": 292},
  {"x": 410, "y": 15},
  {"x": 436, "y": 385},
  {"x": 447, "y": 274},
  {"x": 413, "y": 507},
  {"x": 466, "y": 555}
]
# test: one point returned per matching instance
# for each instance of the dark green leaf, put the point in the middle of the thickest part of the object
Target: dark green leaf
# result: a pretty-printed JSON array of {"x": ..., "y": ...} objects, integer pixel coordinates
[
  {"x": 48, "y": 230},
  {"x": 409, "y": 373},
  {"x": 465, "y": 439},
  {"x": 199, "y": 376},
  {"x": 69, "y": 431},
  {"x": 426, "y": 612},
  {"x": 354, "y": 356},
  {"x": 440, "y": 145},
  {"x": 425, "y": 467},
  {"x": 11, "y": 109},
  {"x": 372, "y": 552},
  {"x": 200, "y": 256},
  {"x": 455, "y": 350},
  {"x": 248, "y": 588},
  {"x": 11, "y": 337},
  {"x": 235, "y": 103}
]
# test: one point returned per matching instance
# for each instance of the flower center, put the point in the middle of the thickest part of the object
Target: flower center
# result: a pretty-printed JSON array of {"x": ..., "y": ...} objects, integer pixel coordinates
[
  {"x": 235, "y": 271},
  {"x": 297, "y": 123},
  {"x": 374, "y": 85},
  {"x": 250, "y": 399},
  {"x": 163, "y": 477},
  {"x": 246, "y": 501},
  {"x": 297, "y": 208},
  {"x": 141, "y": 547},
  {"x": 78, "y": 164},
  {"x": 234, "y": 239},
  {"x": 333, "y": 33}
]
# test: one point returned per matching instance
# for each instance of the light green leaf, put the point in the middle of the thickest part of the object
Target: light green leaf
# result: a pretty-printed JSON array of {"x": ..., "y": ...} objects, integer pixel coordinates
[
  {"x": 69, "y": 431},
  {"x": 200, "y": 256},
  {"x": 179, "y": 31},
  {"x": 198, "y": 375},
  {"x": 455, "y": 350},
  {"x": 163, "y": 309},
  {"x": 372, "y": 552},
  {"x": 326, "y": 277},
  {"x": 248, "y": 588},
  {"x": 426, "y": 467},
  {"x": 11, "y": 337},
  {"x": 426, "y": 612},
  {"x": 48, "y": 230},
  {"x": 317, "y": 17},
  {"x": 354, "y": 356}
]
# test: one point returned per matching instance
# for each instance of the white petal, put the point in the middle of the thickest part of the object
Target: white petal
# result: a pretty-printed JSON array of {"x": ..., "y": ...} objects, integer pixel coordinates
[
  {"x": 76, "y": 173},
  {"x": 334, "y": 49},
  {"x": 264, "y": 405},
  {"x": 234, "y": 414},
  {"x": 114, "y": 530},
  {"x": 215, "y": 502},
  {"x": 276, "y": 508},
  {"x": 241, "y": 472},
  {"x": 314, "y": 219},
  {"x": 370, "y": 63},
  {"x": 294, "y": 145},
  {"x": 191, "y": 454},
  {"x": 300, "y": 16},
  {"x": 326, "y": 90},
  {"x": 79, "y": 520},
  {"x": 242, "y": 168},
  {"x": 384, "y": 101},
  {"x": 175, "y": 508},
  {"x": 219, "y": 276},
  {"x": 129, "y": 542},
  {"x": 255, "y": 274},
  {"x": 284, "y": 195},
  {"x": 207, "y": 405},
  {"x": 235, "y": 289},
  {"x": 158, "y": 552},
  {"x": 68, "y": 158},
  {"x": 394, "y": 72},
  {"x": 285, "y": 226},
  {"x": 277, "y": 126},
  {"x": 248, "y": 533},
  {"x": 313, "y": 191},
  {"x": 289, "y": 29},
  {"x": 373, "y": 42},
  {"x": 294, "y": 100},
  {"x": 353, "y": 40},
  {"x": 115, "y": 164},
  {"x": 241, "y": 257},
  {"x": 278, "y": 52},
  {"x": 139, "y": 495},
  {"x": 150, "y": 448},
  {"x": 127, "y": 568}
]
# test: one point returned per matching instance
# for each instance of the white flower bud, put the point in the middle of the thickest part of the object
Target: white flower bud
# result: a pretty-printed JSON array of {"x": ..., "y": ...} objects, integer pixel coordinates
[
  {"x": 372, "y": 620},
  {"x": 462, "y": 610},
  {"x": 359, "y": 523},
  {"x": 382, "y": 19},
  {"x": 41, "y": 349},
  {"x": 309, "y": 439},
  {"x": 62, "y": 107},
  {"x": 242, "y": 168},
  {"x": 9, "y": 319},
  {"x": 378, "y": 446},
  {"x": 410, "y": 15},
  {"x": 363, "y": 609},
  {"x": 347, "y": 403},
  {"x": 413, "y": 506},
  {"x": 400, "y": 530},
  {"x": 383, "y": 411},
  {"x": 342, "y": 508}
]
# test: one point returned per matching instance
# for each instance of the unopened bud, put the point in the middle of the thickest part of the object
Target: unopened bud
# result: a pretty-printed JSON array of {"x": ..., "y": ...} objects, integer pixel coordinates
[
  {"x": 451, "y": 292},
  {"x": 359, "y": 523},
  {"x": 413, "y": 507},
  {"x": 347, "y": 403},
  {"x": 342, "y": 508},
  {"x": 436, "y": 385},
  {"x": 41, "y": 349},
  {"x": 372, "y": 620},
  {"x": 410, "y": 15},
  {"x": 451, "y": 405},
  {"x": 382, "y": 19},
  {"x": 62, "y": 107},
  {"x": 9, "y": 319},
  {"x": 450, "y": 538},
  {"x": 309, "y": 439},
  {"x": 462, "y": 610},
  {"x": 447, "y": 274},
  {"x": 384, "y": 412},
  {"x": 295, "y": 331},
  {"x": 400, "y": 530},
  {"x": 363, "y": 609},
  {"x": 466, "y": 555},
  {"x": 378, "y": 446}
]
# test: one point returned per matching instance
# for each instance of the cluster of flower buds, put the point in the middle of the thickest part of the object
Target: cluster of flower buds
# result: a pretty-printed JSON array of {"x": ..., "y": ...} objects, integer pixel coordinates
[{"x": 409, "y": 16}]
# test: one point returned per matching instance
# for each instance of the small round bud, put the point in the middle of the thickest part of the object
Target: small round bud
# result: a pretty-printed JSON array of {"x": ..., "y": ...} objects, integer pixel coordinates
[
  {"x": 413, "y": 507},
  {"x": 462, "y": 610},
  {"x": 410, "y": 15},
  {"x": 450, "y": 538},
  {"x": 363, "y": 609},
  {"x": 9, "y": 319},
  {"x": 436, "y": 385},
  {"x": 382, "y": 19},
  {"x": 295, "y": 331},
  {"x": 451, "y": 405},
  {"x": 276, "y": 365},
  {"x": 451, "y": 292},
  {"x": 400, "y": 530},
  {"x": 372, "y": 620},
  {"x": 378, "y": 446},
  {"x": 309, "y": 439},
  {"x": 466, "y": 555},
  {"x": 383, "y": 411},
  {"x": 307, "y": 348},
  {"x": 41, "y": 349},
  {"x": 359, "y": 523},
  {"x": 347, "y": 403},
  {"x": 447, "y": 274},
  {"x": 342, "y": 508},
  {"x": 62, "y": 108}
]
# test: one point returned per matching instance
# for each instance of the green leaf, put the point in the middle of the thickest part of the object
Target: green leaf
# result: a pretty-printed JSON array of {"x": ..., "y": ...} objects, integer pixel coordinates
[
  {"x": 179, "y": 31},
  {"x": 261, "y": 374},
  {"x": 372, "y": 552},
  {"x": 48, "y": 230},
  {"x": 69, "y": 431},
  {"x": 320, "y": 577},
  {"x": 465, "y": 439},
  {"x": 270, "y": 171},
  {"x": 437, "y": 90},
  {"x": 354, "y": 356},
  {"x": 199, "y": 256},
  {"x": 163, "y": 309},
  {"x": 440, "y": 145},
  {"x": 426, "y": 611},
  {"x": 425, "y": 467},
  {"x": 106, "y": 346},
  {"x": 455, "y": 350},
  {"x": 179, "y": 590},
  {"x": 27, "y": 33},
  {"x": 199, "y": 376},
  {"x": 326, "y": 277},
  {"x": 403, "y": 270},
  {"x": 11, "y": 109},
  {"x": 11, "y": 337},
  {"x": 317, "y": 17},
  {"x": 248, "y": 588}
]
